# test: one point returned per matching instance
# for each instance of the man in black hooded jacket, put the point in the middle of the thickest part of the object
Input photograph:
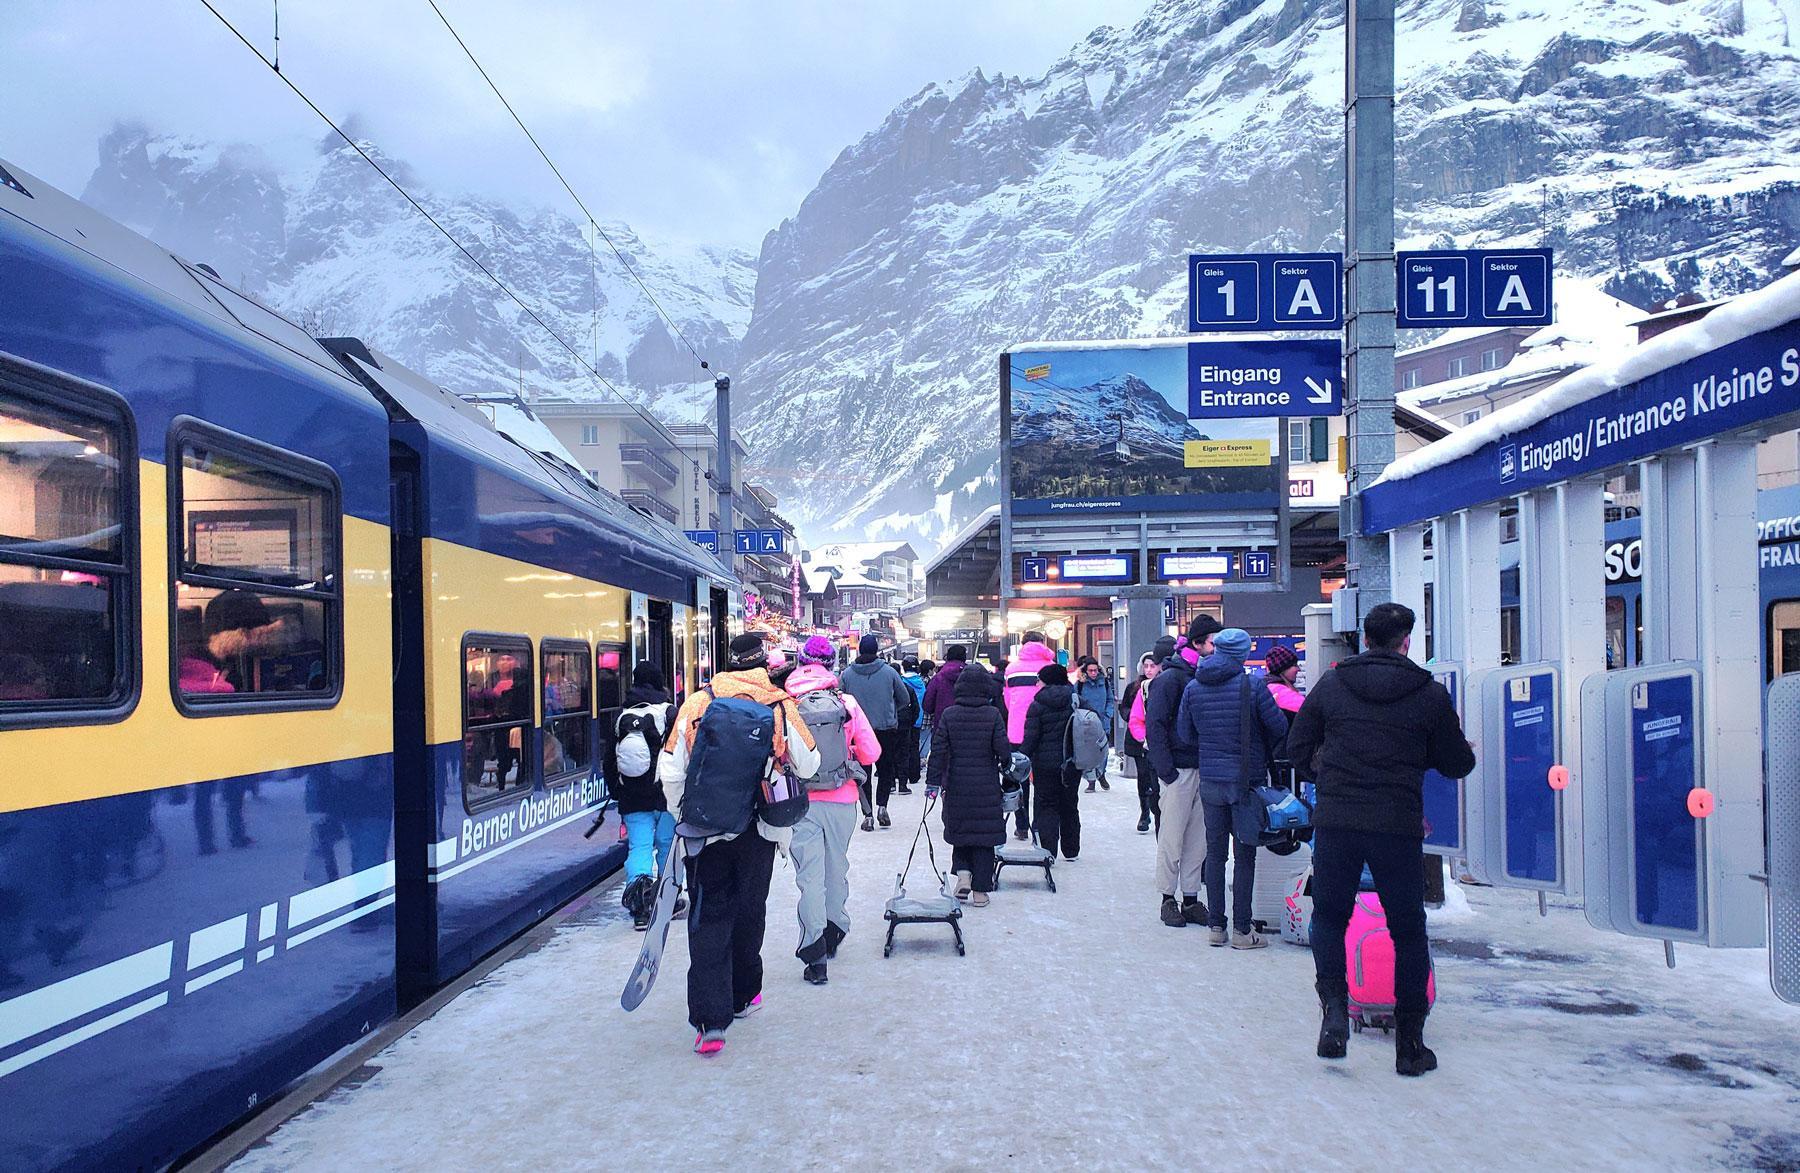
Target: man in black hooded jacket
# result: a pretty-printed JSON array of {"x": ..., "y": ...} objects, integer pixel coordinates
[{"x": 1366, "y": 735}]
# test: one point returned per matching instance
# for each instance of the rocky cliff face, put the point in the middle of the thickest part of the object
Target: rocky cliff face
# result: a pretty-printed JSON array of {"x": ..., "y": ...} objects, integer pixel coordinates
[
  {"x": 336, "y": 248},
  {"x": 1655, "y": 145}
]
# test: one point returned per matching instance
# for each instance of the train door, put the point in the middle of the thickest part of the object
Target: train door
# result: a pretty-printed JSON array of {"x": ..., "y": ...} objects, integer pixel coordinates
[
  {"x": 721, "y": 620},
  {"x": 706, "y": 648},
  {"x": 653, "y": 640},
  {"x": 681, "y": 630}
]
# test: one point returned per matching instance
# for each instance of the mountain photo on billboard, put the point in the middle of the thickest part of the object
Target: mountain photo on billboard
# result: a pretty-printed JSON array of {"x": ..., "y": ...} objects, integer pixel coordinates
[{"x": 1099, "y": 430}]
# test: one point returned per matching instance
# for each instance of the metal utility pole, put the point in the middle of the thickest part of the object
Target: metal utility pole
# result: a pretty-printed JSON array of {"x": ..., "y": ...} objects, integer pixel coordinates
[
  {"x": 722, "y": 465},
  {"x": 1369, "y": 302}
]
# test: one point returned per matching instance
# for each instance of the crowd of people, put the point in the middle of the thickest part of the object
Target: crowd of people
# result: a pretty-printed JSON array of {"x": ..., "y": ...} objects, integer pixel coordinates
[{"x": 1202, "y": 734}]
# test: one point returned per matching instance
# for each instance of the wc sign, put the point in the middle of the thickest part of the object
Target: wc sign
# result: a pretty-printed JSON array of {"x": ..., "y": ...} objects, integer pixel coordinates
[{"x": 1497, "y": 287}]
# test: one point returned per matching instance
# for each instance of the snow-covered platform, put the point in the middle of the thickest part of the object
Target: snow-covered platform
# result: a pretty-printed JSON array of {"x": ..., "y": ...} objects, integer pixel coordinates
[{"x": 1079, "y": 1032}]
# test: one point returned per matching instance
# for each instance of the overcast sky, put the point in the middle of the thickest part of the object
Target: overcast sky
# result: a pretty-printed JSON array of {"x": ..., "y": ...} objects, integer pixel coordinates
[{"x": 706, "y": 120}]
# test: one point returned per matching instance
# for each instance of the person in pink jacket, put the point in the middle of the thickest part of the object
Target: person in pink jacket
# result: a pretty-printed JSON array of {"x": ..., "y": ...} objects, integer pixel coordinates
[
  {"x": 1283, "y": 669},
  {"x": 1021, "y": 689},
  {"x": 821, "y": 846}
]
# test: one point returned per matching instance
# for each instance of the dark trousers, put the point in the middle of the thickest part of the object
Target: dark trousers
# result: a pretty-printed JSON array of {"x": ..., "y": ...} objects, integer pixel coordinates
[
  {"x": 1058, "y": 813},
  {"x": 887, "y": 766},
  {"x": 909, "y": 756},
  {"x": 1149, "y": 790},
  {"x": 978, "y": 862},
  {"x": 730, "y": 884},
  {"x": 1243, "y": 871},
  {"x": 1398, "y": 865}
]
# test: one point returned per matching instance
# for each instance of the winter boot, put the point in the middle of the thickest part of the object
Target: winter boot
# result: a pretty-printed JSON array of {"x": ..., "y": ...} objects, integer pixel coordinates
[
  {"x": 1411, "y": 1055},
  {"x": 639, "y": 899},
  {"x": 1193, "y": 911},
  {"x": 815, "y": 973},
  {"x": 1144, "y": 823},
  {"x": 834, "y": 937},
  {"x": 1171, "y": 913},
  {"x": 965, "y": 883},
  {"x": 1334, "y": 1030},
  {"x": 881, "y": 816},
  {"x": 1105, "y": 785},
  {"x": 1090, "y": 788}
]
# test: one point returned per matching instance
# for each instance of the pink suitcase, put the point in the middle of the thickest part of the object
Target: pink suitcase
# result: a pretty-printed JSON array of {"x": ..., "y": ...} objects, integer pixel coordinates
[{"x": 1369, "y": 958}]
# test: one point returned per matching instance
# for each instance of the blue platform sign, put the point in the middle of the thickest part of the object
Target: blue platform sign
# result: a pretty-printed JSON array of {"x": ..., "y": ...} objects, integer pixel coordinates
[
  {"x": 1265, "y": 291},
  {"x": 1169, "y": 610},
  {"x": 1277, "y": 377},
  {"x": 1500, "y": 287},
  {"x": 761, "y": 541},
  {"x": 1257, "y": 564},
  {"x": 706, "y": 539},
  {"x": 1034, "y": 570}
]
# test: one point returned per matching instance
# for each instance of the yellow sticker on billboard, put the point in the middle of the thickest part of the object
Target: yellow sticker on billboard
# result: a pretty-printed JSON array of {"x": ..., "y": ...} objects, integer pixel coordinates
[
  {"x": 1041, "y": 371},
  {"x": 1225, "y": 453}
]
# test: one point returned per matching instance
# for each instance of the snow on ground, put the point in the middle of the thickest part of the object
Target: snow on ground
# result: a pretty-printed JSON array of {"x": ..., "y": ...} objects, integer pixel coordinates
[{"x": 1079, "y": 1032}]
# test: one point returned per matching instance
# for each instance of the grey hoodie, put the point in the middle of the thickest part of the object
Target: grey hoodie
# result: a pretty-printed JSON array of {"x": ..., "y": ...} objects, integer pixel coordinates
[{"x": 878, "y": 688}]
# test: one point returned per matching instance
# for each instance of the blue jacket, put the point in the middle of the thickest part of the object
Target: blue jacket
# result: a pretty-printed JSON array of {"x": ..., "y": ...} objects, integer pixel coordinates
[
  {"x": 1097, "y": 695},
  {"x": 916, "y": 682},
  {"x": 1170, "y": 749},
  {"x": 1212, "y": 717}
]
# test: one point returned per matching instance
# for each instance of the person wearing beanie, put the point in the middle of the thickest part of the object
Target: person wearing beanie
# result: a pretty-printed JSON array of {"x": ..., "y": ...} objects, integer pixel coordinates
[
  {"x": 1096, "y": 693},
  {"x": 1232, "y": 721},
  {"x": 908, "y": 774},
  {"x": 885, "y": 699},
  {"x": 970, "y": 747},
  {"x": 1056, "y": 815},
  {"x": 1282, "y": 669},
  {"x": 1022, "y": 682},
  {"x": 821, "y": 848},
  {"x": 1132, "y": 704},
  {"x": 728, "y": 873},
  {"x": 634, "y": 736},
  {"x": 1181, "y": 834},
  {"x": 940, "y": 694}
]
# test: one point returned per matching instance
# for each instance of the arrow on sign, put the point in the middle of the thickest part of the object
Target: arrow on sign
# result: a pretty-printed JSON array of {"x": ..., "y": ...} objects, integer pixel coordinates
[{"x": 1320, "y": 394}]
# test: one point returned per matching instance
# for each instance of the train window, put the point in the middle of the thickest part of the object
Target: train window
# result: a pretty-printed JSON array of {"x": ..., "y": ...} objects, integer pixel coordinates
[
  {"x": 67, "y": 491},
  {"x": 1784, "y": 637},
  {"x": 1615, "y": 633},
  {"x": 568, "y": 709},
  {"x": 258, "y": 602},
  {"x": 609, "y": 676},
  {"x": 496, "y": 717}
]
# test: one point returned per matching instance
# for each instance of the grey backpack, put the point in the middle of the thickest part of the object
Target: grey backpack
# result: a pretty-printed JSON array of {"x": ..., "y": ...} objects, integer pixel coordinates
[
  {"x": 828, "y": 718},
  {"x": 1087, "y": 740}
]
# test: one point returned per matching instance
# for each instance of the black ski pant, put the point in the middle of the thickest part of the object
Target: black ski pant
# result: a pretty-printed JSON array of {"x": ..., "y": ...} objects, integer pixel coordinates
[
  {"x": 730, "y": 884},
  {"x": 1058, "y": 813},
  {"x": 978, "y": 862},
  {"x": 909, "y": 756},
  {"x": 1149, "y": 790},
  {"x": 1243, "y": 870},
  {"x": 1398, "y": 865},
  {"x": 887, "y": 767}
]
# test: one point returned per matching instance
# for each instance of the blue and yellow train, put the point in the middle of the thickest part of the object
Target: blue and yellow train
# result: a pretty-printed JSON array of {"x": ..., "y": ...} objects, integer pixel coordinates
[{"x": 303, "y": 671}]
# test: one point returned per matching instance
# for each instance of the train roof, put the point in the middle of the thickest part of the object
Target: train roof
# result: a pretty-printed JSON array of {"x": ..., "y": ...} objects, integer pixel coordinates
[{"x": 452, "y": 422}]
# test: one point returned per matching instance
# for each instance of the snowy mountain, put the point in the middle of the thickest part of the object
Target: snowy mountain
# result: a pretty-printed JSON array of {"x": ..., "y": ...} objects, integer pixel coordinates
[
  {"x": 335, "y": 247},
  {"x": 1084, "y": 416},
  {"x": 1655, "y": 144}
]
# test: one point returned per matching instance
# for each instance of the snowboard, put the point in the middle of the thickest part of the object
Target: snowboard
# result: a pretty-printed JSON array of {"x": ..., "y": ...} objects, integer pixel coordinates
[{"x": 649, "y": 962}]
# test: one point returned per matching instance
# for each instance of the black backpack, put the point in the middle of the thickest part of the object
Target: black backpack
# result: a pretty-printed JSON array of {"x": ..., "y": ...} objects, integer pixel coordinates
[{"x": 731, "y": 772}]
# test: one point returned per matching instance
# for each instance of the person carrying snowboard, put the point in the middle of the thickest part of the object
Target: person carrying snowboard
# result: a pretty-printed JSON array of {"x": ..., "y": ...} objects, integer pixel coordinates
[
  {"x": 631, "y": 778},
  {"x": 1366, "y": 734},
  {"x": 969, "y": 750},
  {"x": 821, "y": 849},
  {"x": 728, "y": 738}
]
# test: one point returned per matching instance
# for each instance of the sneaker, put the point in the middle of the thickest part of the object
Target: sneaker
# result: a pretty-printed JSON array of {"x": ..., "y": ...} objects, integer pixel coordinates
[
  {"x": 815, "y": 973},
  {"x": 1216, "y": 937},
  {"x": 755, "y": 1005},
  {"x": 1105, "y": 785},
  {"x": 1249, "y": 940},
  {"x": 1171, "y": 913},
  {"x": 709, "y": 1042},
  {"x": 1090, "y": 788},
  {"x": 1071, "y": 858},
  {"x": 881, "y": 816},
  {"x": 903, "y": 788},
  {"x": 1021, "y": 835},
  {"x": 1193, "y": 910},
  {"x": 868, "y": 823},
  {"x": 979, "y": 900},
  {"x": 1143, "y": 824}
]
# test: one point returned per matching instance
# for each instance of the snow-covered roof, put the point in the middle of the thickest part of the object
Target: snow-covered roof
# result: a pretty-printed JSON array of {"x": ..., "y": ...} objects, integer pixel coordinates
[
  {"x": 976, "y": 524},
  {"x": 1752, "y": 313},
  {"x": 517, "y": 421}
]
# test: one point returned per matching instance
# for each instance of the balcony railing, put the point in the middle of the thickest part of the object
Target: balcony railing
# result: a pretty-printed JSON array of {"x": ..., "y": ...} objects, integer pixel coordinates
[
  {"x": 649, "y": 461},
  {"x": 650, "y": 501}
]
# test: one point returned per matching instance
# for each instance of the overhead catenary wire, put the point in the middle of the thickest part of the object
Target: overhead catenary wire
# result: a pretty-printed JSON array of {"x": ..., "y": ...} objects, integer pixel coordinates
[
  {"x": 557, "y": 171},
  {"x": 580, "y": 360}
]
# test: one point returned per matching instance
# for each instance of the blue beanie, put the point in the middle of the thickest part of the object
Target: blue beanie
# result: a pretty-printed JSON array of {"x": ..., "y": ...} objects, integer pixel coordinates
[{"x": 1234, "y": 642}]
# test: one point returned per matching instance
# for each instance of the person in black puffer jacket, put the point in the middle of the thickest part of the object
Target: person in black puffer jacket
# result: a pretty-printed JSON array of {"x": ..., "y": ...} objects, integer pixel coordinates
[
  {"x": 1056, "y": 812},
  {"x": 968, "y": 751}
]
